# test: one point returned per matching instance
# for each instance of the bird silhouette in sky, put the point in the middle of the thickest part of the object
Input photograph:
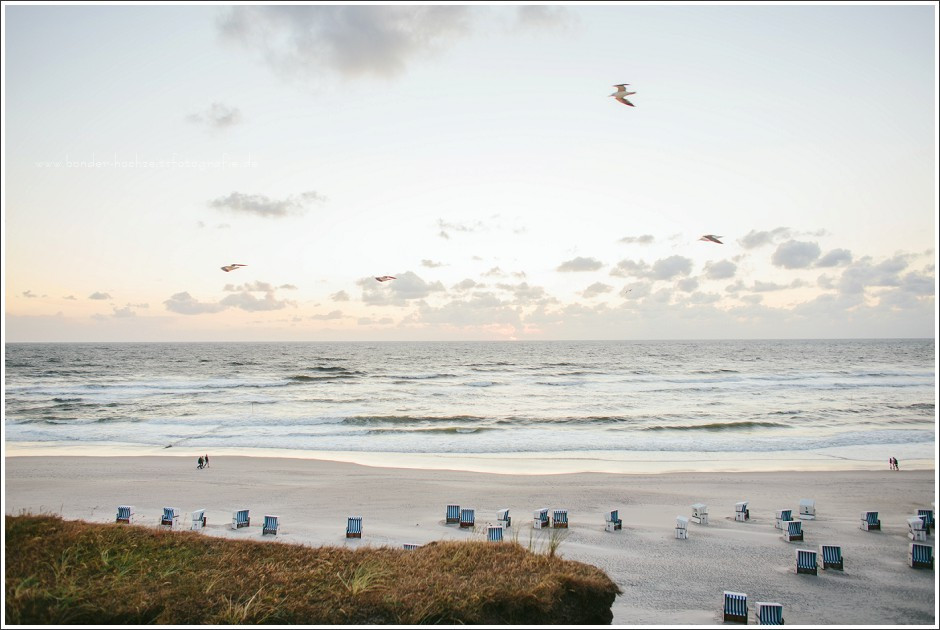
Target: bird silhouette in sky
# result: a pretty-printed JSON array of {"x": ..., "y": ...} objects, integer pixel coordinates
[
  {"x": 385, "y": 278},
  {"x": 622, "y": 93},
  {"x": 712, "y": 238},
  {"x": 232, "y": 267}
]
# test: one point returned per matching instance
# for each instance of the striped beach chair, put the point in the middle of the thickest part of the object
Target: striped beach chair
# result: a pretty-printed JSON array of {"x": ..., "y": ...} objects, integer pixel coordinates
[
  {"x": 270, "y": 525},
  {"x": 503, "y": 518},
  {"x": 614, "y": 522},
  {"x": 806, "y": 561},
  {"x": 869, "y": 521},
  {"x": 540, "y": 518},
  {"x": 831, "y": 557},
  {"x": 560, "y": 519},
  {"x": 920, "y": 556},
  {"x": 682, "y": 527},
  {"x": 735, "y": 607},
  {"x": 807, "y": 509},
  {"x": 410, "y": 546},
  {"x": 741, "y": 513},
  {"x": 916, "y": 529},
  {"x": 199, "y": 519},
  {"x": 354, "y": 527},
  {"x": 926, "y": 516},
  {"x": 494, "y": 533},
  {"x": 453, "y": 514},
  {"x": 125, "y": 514},
  {"x": 700, "y": 513},
  {"x": 783, "y": 516},
  {"x": 467, "y": 517},
  {"x": 769, "y": 614},
  {"x": 170, "y": 514},
  {"x": 240, "y": 519},
  {"x": 793, "y": 531}
]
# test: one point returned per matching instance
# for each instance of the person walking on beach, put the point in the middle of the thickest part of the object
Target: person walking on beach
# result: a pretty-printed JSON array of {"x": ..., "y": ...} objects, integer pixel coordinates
[
  {"x": 890, "y": 463},
  {"x": 207, "y": 460},
  {"x": 896, "y": 464},
  {"x": 200, "y": 462}
]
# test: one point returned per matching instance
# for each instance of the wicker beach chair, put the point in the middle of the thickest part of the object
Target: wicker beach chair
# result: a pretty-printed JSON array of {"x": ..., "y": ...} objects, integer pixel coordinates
[
  {"x": 503, "y": 518},
  {"x": 735, "y": 609},
  {"x": 614, "y": 522},
  {"x": 199, "y": 519},
  {"x": 793, "y": 531},
  {"x": 831, "y": 557},
  {"x": 682, "y": 527},
  {"x": 741, "y": 513},
  {"x": 410, "y": 546},
  {"x": 700, "y": 513},
  {"x": 783, "y": 516},
  {"x": 920, "y": 556},
  {"x": 354, "y": 527},
  {"x": 806, "y": 561},
  {"x": 926, "y": 516},
  {"x": 494, "y": 533},
  {"x": 271, "y": 523},
  {"x": 540, "y": 518},
  {"x": 125, "y": 514},
  {"x": 769, "y": 614},
  {"x": 916, "y": 529},
  {"x": 560, "y": 519},
  {"x": 869, "y": 521},
  {"x": 240, "y": 519},
  {"x": 467, "y": 517},
  {"x": 170, "y": 515},
  {"x": 807, "y": 509},
  {"x": 453, "y": 514}
]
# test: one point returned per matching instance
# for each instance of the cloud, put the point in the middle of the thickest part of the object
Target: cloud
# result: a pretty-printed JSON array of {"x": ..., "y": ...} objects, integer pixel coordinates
[
  {"x": 218, "y": 116},
  {"x": 185, "y": 304},
  {"x": 29, "y": 294},
  {"x": 340, "y": 296},
  {"x": 446, "y": 228},
  {"x": 538, "y": 17},
  {"x": 668, "y": 268},
  {"x": 98, "y": 295},
  {"x": 595, "y": 289},
  {"x": 466, "y": 285},
  {"x": 431, "y": 264},
  {"x": 630, "y": 269},
  {"x": 756, "y": 239},
  {"x": 330, "y": 315},
  {"x": 835, "y": 258},
  {"x": 350, "y": 40},
  {"x": 645, "y": 239},
  {"x": 124, "y": 312},
  {"x": 863, "y": 274},
  {"x": 795, "y": 254},
  {"x": 264, "y": 206},
  {"x": 580, "y": 264},
  {"x": 409, "y": 286},
  {"x": 687, "y": 285},
  {"x": 721, "y": 270},
  {"x": 70, "y": 297},
  {"x": 247, "y": 302},
  {"x": 525, "y": 295},
  {"x": 263, "y": 287}
]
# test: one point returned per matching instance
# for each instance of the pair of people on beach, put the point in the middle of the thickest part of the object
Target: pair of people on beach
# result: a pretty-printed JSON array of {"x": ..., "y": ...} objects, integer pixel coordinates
[
  {"x": 203, "y": 462},
  {"x": 893, "y": 463}
]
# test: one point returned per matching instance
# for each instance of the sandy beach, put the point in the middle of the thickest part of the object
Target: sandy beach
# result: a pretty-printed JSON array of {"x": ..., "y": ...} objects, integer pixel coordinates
[{"x": 665, "y": 581}]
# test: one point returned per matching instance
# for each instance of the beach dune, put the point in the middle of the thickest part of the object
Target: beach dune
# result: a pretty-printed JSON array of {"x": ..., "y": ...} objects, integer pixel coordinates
[{"x": 664, "y": 580}]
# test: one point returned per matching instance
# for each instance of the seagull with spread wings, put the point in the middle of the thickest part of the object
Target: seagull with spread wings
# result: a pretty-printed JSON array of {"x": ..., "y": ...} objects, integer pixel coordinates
[
  {"x": 712, "y": 238},
  {"x": 622, "y": 93},
  {"x": 232, "y": 267},
  {"x": 385, "y": 278}
]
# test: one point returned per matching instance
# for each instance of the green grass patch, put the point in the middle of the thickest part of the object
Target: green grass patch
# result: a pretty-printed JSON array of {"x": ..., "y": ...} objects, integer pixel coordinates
[{"x": 73, "y": 572}]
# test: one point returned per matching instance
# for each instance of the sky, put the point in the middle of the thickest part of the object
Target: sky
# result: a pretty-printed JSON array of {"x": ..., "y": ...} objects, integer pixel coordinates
[{"x": 474, "y": 153}]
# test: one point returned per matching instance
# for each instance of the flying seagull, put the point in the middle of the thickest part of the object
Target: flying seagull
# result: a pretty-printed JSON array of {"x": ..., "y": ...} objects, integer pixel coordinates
[
  {"x": 232, "y": 267},
  {"x": 385, "y": 278},
  {"x": 712, "y": 238},
  {"x": 622, "y": 93}
]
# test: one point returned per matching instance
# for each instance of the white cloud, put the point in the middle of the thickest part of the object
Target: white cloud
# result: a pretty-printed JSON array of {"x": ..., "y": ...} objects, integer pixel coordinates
[
  {"x": 217, "y": 116},
  {"x": 598, "y": 288},
  {"x": 99, "y": 295},
  {"x": 668, "y": 268},
  {"x": 185, "y": 304},
  {"x": 756, "y": 239},
  {"x": 645, "y": 239},
  {"x": 721, "y": 270},
  {"x": 264, "y": 206},
  {"x": 795, "y": 254},
  {"x": 835, "y": 258},
  {"x": 340, "y": 296},
  {"x": 580, "y": 264},
  {"x": 409, "y": 286}
]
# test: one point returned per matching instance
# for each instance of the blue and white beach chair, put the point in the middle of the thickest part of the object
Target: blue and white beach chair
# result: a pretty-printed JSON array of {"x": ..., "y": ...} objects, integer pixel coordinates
[
  {"x": 467, "y": 517},
  {"x": 807, "y": 509},
  {"x": 494, "y": 533},
  {"x": 869, "y": 521},
  {"x": 354, "y": 527},
  {"x": 916, "y": 529},
  {"x": 831, "y": 557},
  {"x": 783, "y": 516},
  {"x": 793, "y": 531},
  {"x": 503, "y": 518},
  {"x": 125, "y": 514},
  {"x": 540, "y": 518},
  {"x": 240, "y": 519},
  {"x": 682, "y": 527},
  {"x": 806, "y": 561},
  {"x": 560, "y": 518},
  {"x": 614, "y": 522},
  {"x": 769, "y": 614},
  {"x": 920, "y": 556},
  {"x": 199, "y": 519},
  {"x": 410, "y": 546},
  {"x": 700, "y": 513},
  {"x": 926, "y": 516},
  {"x": 741, "y": 513},
  {"x": 735, "y": 609},
  {"x": 170, "y": 514},
  {"x": 453, "y": 514},
  {"x": 270, "y": 525}
]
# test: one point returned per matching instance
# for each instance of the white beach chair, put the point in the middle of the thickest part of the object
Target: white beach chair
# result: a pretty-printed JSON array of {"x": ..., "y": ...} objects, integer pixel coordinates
[
  {"x": 831, "y": 557},
  {"x": 560, "y": 519},
  {"x": 783, "y": 516},
  {"x": 467, "y": 517},
  {"x": 926, "y": 516},
  {"x": 769, "y": 614},
  {"x": 916, "y": 529},
  {"x": 741, "y": 513},
  {"x": 271, "y": 523},
  {"x": 807, "y": 509},
  {"x": 494, "y": 533},
  {"x": 735, "y": 608},
  {"x": 540, "y": 518},
  {"x": 410, "y": 546},
  {"x": 354, "y": 527},
  {"x": 503, "y": 518},
  {"x": 614, "y": 522},
  {"x": 170, "y": 516},
  {"x": 453, "y": 514},
  {"x": 793, "y": 531},
  {"x": 920, "y": 556},
  {"x": 700, "y": 513},
  {"x": 869, "y": 521},
  {"x": 199, "y": 519},
  {"x": 240, "y": 519},
  {"x": 682, "y": 527},
  {"x": 806, "y": 561},
  {"x": 125, "y": 514}
]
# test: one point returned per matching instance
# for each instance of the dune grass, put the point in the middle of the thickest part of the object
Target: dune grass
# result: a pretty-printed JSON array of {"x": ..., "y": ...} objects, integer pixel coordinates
[{"x": 73, "y": 572}]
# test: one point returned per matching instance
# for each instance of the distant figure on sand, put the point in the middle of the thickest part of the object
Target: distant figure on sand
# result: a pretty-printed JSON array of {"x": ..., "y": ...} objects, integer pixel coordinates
[
  {"x": 200, "y": 462},
  {"x": 890, "y": 463},
  {"x": 207, "y": 461},
  {"x": 896, "y": 463}
]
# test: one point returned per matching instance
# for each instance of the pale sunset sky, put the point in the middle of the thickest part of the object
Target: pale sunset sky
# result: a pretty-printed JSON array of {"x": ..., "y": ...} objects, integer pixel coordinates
[{"x": 473, "y": 152}]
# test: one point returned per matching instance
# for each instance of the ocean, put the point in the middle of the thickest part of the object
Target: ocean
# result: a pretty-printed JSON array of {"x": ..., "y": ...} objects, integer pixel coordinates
[{"x": 649, "y": 399}]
